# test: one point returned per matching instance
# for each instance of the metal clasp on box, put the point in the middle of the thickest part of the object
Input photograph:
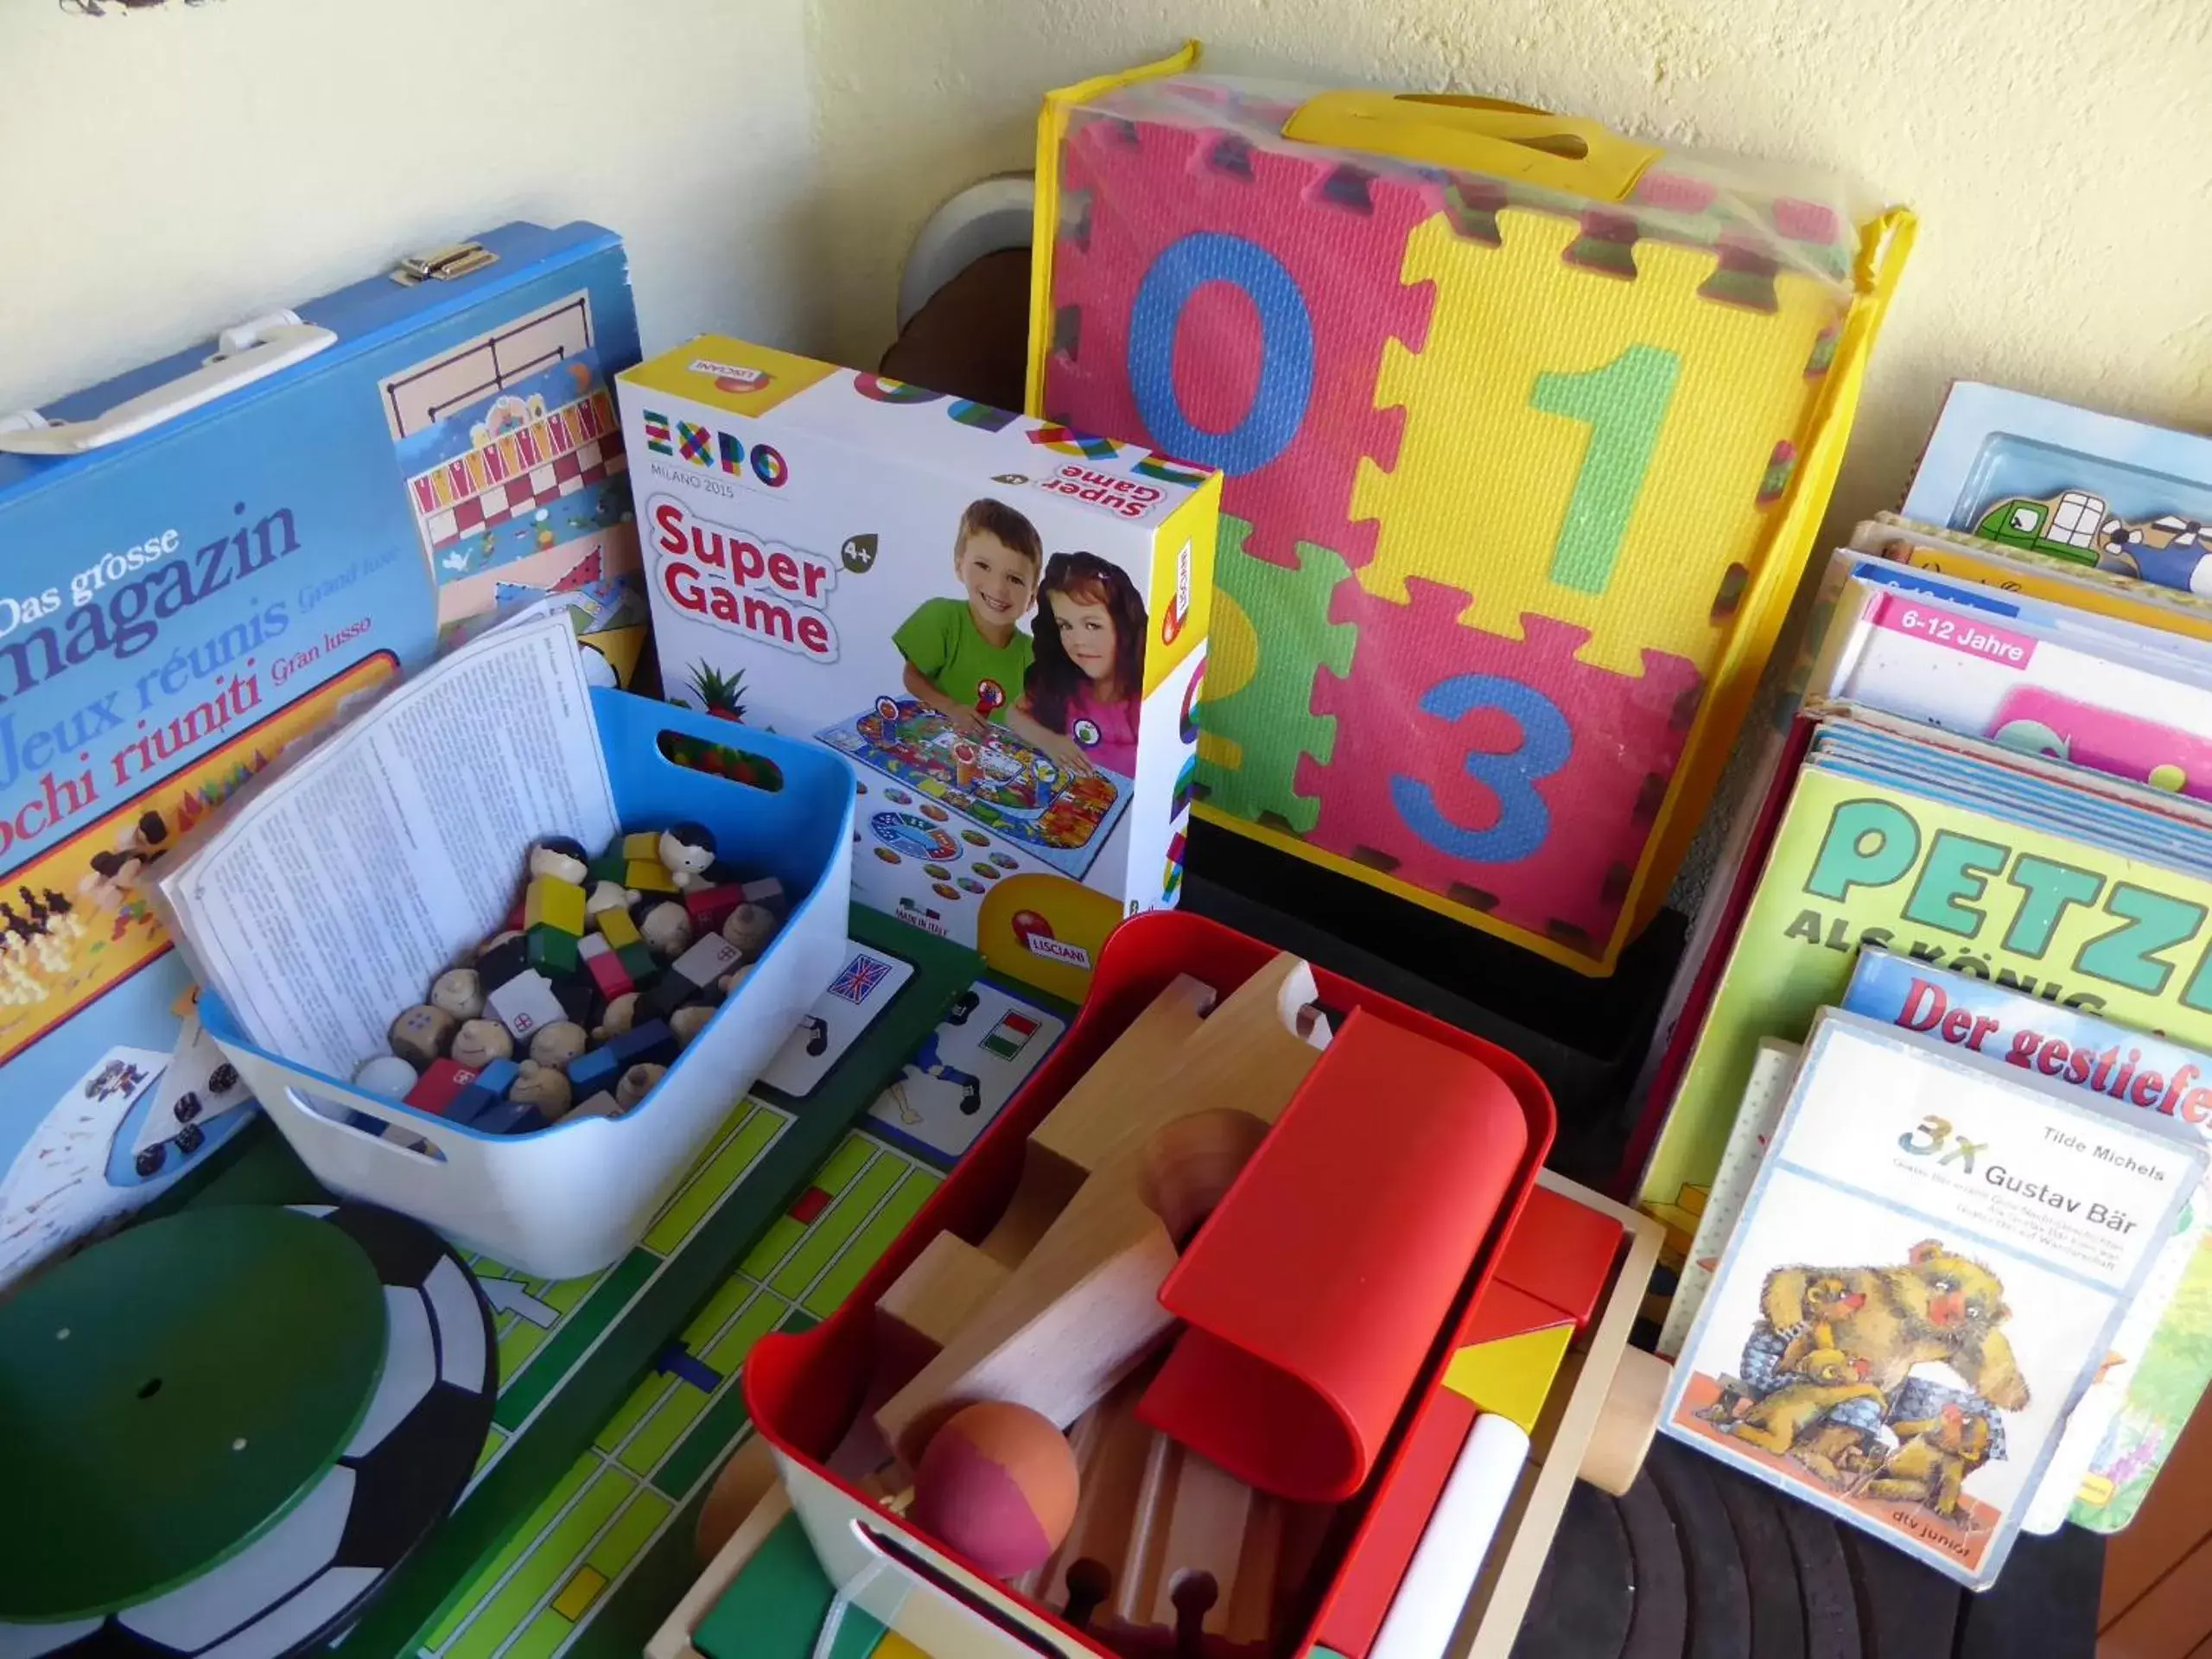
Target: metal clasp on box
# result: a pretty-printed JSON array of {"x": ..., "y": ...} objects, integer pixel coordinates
[{"x": 443, "y": 265}]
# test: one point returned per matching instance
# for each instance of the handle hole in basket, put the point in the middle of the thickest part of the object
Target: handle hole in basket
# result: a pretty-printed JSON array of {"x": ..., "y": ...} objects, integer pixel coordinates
[
  {"x": 886, "y": 1546},
  {"x": 722, "y": 760},
  {"x": 371, "y": 1128}
]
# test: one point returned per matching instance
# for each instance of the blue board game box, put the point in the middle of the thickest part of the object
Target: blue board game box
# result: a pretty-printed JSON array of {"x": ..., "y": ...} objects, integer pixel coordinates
[{"x": 208, "y": 558}]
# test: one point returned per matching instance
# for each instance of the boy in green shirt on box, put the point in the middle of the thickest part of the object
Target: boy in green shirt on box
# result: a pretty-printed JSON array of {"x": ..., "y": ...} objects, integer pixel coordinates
[{"x": 967, "y": 659}]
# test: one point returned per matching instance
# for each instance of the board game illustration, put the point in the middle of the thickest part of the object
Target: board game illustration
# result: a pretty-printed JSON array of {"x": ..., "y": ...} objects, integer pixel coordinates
[
  {"x": 509, "y": 443},
  {"x": 953, "y": 1087},
  {"x": 594, "y": 1568},
  {"x": 1019, "y": 793}
]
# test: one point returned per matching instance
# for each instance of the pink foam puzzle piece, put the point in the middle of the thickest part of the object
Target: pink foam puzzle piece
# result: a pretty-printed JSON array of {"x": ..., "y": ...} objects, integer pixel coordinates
[
  {"x": 1229, "y": 306},
  {"x": 1501, "y": 772}
]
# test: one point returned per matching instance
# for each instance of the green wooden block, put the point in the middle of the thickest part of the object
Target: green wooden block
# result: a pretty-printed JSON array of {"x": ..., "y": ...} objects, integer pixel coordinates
[
  {"x": 637, "y": 961},
  {"x": 552, "y": 953},
  {"x": 776, "y": 1607}
]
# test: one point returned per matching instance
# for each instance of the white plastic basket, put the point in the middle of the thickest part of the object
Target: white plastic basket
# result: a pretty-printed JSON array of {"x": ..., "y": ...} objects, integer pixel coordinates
[{"x": 572, "y": 1199}]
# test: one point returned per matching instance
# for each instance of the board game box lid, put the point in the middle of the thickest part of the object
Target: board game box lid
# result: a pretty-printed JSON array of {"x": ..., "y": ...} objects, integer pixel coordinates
[
  {"x": 363, "y": 315},
  {"x": 1125, "y": 482}
]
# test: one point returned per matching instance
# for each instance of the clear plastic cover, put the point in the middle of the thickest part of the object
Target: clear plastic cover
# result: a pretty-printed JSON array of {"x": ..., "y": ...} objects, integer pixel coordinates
[{"x": 1526, "y": 429}]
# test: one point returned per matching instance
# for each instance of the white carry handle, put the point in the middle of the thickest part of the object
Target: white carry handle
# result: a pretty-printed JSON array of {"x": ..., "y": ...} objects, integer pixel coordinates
[{"x": 246, "y": 353}]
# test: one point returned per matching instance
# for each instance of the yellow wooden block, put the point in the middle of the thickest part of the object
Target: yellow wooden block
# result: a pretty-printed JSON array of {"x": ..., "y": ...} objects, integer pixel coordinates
[
  {"x": 649, "y": 875},
  {"x": 643, "y": 844},
  {"x": 616, "y": 927},
  {"x": 1693, "y": 1199},
  {"x": 578, "y": 1595},
  {"x": 1614, "y": 395},
  {"x": 551, "y": 902},
  {"x": 1511, "y": 1376},
  {"x": 895, "y": 1646}
]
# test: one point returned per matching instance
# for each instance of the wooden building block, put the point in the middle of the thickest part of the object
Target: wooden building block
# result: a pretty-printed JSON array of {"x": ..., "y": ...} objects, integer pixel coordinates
[
  {"x": 710, "y": 907},
  {"x": 1083, "y": 1306},
  {"x": 648, "y": 875},
  {"x": 1560, "y": 1252},
  {"x": 550, "y": 902},
  {"x": 604, "y": 964},
  {"x": 1187, "y": 1544},
  {"x": 1111, "y": 1447},
  {"x": 940, "y": 1290},
  {"x": 1105, "y": 1105},
  {"x": 442, "y": 1083},
  {"x": 552, "y": 951}
]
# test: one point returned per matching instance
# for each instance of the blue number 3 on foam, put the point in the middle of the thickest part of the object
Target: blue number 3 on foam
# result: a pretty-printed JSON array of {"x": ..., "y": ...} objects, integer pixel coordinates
[{"x": 1524, "y": 822}]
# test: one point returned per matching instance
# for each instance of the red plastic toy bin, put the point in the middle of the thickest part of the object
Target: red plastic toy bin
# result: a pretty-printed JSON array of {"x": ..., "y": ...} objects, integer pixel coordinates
[{"x": 804, "y": 1391}]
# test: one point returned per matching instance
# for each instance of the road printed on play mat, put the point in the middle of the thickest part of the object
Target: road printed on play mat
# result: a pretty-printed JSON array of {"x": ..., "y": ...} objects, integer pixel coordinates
[
  {"x": 664, "y": 1445},
  {"x": 548, "y": 1328}
]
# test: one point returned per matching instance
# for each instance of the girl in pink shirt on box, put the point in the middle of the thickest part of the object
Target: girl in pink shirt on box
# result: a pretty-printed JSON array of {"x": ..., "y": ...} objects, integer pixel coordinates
[{"x": 1079, "y": 699}]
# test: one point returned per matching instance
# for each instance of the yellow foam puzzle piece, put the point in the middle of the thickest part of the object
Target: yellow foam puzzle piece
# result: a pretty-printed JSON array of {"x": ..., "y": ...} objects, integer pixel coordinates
[
  {"x": 1511, "y": 1376},
  {"x": 1480, "y": 496}
]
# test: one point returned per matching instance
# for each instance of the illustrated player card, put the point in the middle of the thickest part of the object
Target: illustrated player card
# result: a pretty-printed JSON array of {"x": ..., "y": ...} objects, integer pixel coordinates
[
  {"x": 863, "y": 988},
  {"x": 960, "y": 1079},
  {"x": 58, "y": 1187}
]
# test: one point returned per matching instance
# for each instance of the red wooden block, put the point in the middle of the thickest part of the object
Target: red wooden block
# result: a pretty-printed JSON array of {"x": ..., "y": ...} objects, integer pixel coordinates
[
  {"x": 604, "y": 963},
  {"x": 1500, "y": 1312},
  {"x": 440, "y": 1085},
  {"x": 1560, "y": 1252},
  {"x": 710, "y": 907},
  {"x": 809, "y": 1206}
]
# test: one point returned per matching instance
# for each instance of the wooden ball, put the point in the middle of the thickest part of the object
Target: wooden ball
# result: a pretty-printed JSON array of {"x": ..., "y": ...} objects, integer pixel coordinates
[{"x": 997, "y": 1484}]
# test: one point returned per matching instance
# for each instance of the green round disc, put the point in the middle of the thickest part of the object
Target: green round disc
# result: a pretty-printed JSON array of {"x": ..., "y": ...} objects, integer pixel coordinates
[{"x": 169, "y": 1393}]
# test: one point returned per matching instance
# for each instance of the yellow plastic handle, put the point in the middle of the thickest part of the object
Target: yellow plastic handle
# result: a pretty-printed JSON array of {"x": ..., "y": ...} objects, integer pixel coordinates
[{"x": 1564, "y": 153}]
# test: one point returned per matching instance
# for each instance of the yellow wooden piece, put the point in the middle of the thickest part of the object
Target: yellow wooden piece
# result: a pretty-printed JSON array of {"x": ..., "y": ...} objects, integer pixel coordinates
[
  {"x": 616, "y": 927},
  {"x": 1511, "y": 1376},
  {"x": 649, "y": 875},
  {"x": 551, "y": 902},
  {"x": 578, "y": 1595},
  {"x": 895, "y": 1646},
  {"x": 1740, "y": 387},
  {"x": 642, "y": 843}
]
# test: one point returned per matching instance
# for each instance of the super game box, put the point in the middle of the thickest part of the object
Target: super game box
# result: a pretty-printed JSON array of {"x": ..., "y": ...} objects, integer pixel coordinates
[
  {"x": 1000, "y": 623},
  {"x": 206, "y": 559}
]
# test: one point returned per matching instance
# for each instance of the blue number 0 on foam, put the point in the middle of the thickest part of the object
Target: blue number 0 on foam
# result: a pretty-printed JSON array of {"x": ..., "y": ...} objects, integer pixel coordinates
[
  {"x": 1285, "y": 383},
  {"x": 1524, "y": 822}
]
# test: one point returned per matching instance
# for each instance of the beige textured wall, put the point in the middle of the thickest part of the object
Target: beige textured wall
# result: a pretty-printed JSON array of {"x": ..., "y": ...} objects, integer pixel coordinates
[
  {"x": 2059, "y": 153},
  {"x": 169, "y": 171},
  {"x": 172, "y": 171}
]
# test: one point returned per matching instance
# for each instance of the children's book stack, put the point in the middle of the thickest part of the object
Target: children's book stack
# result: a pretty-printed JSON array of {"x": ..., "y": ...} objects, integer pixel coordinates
[{"x": 1978, "y": 893}]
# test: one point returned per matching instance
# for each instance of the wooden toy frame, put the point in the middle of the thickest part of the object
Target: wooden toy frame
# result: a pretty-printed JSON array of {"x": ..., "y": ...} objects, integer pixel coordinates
[{"x": 1596, "y": 1424}]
